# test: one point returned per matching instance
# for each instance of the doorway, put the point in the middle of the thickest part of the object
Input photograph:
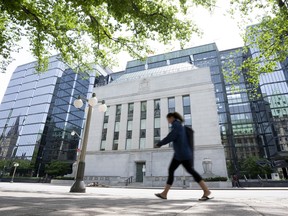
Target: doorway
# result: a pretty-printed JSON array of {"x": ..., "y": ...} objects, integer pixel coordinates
[{"x": 140, "y": 169}]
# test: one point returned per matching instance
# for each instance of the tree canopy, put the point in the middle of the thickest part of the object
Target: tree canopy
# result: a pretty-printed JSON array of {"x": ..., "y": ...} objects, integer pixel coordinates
[
  {"x": 91, "y": 31},
  {"x": 57, "y": 168},
  {"x": 267, "y": 41},
  {"x": 250, "y": 167}
]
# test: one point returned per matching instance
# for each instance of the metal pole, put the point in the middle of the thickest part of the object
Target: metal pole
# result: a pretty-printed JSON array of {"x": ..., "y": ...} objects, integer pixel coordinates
[
  {"x": 79, "y": 185},
  {"x": 15, "y": 167},
  {"x": 38, "y": 170}
]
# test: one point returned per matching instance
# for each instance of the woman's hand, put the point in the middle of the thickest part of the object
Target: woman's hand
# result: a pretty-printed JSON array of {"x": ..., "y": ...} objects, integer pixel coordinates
[{"x": 157, "y": 145}]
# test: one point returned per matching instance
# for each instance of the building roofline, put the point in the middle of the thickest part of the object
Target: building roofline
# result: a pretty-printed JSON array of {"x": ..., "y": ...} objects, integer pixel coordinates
[{"x": 137, "y": 62}]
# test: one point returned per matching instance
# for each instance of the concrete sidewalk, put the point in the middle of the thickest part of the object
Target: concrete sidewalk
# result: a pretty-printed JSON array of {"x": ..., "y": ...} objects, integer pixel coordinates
[{"x": 48, "y": 200}]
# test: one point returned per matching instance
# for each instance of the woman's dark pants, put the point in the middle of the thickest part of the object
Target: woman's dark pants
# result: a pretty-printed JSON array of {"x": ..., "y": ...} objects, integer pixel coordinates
[{"x": 187, "y": 165}]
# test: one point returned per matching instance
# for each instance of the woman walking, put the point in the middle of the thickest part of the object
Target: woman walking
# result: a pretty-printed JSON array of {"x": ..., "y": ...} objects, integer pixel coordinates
[{"x": 182, "y": 155}]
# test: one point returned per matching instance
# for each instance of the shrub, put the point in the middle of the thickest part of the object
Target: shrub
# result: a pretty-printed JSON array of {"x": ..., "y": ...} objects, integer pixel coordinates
[{"x": 218, "y": 178}]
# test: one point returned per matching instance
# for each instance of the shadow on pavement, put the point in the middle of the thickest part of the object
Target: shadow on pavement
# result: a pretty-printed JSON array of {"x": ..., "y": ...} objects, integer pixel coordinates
[{"x": 106, "y": 205}]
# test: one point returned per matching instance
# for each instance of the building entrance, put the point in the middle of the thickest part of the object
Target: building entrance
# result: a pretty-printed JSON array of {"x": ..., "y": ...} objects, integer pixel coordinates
[{"x": 140, "y": 169}]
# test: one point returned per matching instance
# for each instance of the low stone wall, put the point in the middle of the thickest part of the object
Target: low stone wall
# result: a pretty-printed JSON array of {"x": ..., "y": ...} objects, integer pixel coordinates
[
  {"x": 186, "y": 182},
  {"x": 257, "y": 183},
  {"x": 62, "y": 182},
  {"x": 159, "y": 181}
]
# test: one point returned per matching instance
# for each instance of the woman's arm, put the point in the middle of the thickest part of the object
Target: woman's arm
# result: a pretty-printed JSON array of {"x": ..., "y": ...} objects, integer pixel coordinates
[{"x": 170, "y": 137}]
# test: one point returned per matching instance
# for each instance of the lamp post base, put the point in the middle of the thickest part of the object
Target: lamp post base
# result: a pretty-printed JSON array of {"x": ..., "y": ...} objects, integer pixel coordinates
[{"x": 78, "y": 187}]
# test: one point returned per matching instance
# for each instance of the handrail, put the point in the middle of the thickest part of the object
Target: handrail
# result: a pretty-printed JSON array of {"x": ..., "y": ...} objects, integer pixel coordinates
[{"x": 129, "y": 181}]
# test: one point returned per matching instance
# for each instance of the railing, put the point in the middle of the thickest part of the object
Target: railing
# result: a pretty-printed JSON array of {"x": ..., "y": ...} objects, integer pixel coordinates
[{"x": 129, "y": 181}]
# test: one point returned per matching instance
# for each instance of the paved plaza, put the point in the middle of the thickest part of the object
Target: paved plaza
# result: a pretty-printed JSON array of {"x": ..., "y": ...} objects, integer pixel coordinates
[{"x": 49, "y": 200}]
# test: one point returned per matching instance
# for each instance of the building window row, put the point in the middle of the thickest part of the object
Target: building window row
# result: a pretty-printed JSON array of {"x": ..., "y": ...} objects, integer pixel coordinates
[
  {"x": 143, "y": 122},
  {"x": 129, "y": 126},
  {"x": 157, "y": 121},
  {"x": 142, "y": 141}
]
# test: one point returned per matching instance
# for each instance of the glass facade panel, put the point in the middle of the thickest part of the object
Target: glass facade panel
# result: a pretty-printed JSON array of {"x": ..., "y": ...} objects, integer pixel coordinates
[{"x": 37, "y": 127}]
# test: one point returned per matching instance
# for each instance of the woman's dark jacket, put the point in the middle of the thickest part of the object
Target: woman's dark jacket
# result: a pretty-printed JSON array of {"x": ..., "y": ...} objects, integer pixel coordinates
[{"x": 180, "y": 142}]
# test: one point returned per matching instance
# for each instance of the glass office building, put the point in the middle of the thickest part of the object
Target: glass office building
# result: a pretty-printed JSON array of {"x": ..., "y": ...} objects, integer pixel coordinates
[{"x": 37, "y": 114}]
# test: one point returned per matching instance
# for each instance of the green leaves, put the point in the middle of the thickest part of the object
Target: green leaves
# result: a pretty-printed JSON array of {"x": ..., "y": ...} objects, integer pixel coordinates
[
  {"x": 250, "y": 167},
  {"x": 266, "y": 42},
  {"x": 93, "y": 31},
  {"x": 57, "y": 168}
]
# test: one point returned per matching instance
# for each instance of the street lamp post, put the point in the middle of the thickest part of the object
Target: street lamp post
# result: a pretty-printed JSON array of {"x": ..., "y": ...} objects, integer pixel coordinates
[
  {"x": 79, "y": 185},
  {"x": 75, "y": 164},
  {"x": 15, "y": 167}
]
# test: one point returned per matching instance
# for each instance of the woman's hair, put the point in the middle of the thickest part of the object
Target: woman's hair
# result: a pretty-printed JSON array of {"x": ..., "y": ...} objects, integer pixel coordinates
[{"x": 175, "y": 115}]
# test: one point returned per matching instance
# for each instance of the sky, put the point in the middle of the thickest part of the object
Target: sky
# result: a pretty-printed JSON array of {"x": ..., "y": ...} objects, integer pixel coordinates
[{"x": 216, "y": 26}]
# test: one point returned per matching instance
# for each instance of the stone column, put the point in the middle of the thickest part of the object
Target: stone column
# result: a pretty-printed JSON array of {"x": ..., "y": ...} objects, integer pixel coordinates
[{"x": 150, "y": 124}]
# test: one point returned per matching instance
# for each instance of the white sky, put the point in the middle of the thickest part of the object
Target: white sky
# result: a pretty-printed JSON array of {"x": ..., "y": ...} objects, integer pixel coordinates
[{"x": 217, "y": 27}]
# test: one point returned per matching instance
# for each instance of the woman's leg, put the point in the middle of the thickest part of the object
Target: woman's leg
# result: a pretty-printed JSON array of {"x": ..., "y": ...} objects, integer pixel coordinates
[
  {"x": 173, "y": 166},
  {"x": 187, "y": 165}
]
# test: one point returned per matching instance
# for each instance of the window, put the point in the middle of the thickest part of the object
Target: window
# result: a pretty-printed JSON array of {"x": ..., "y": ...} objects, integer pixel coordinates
[
  {"x": 143, "y": 106},
  {"x": 142, "y": 133},
  {"x": 157, "y": 130},
  {"x": 171, "y": 104},
  {"x": 103, "y": 145},
  {"x": 129, "y": 125},
  {"x": 157, "y": 123},
  {"x": 117, "y": 126},
  {"x": 186, "y": 105},
  {"x": 187, "y": 111},
  {"x": 129, "y": 130},
  {"x": 143, "y": 128},
  {"x": 188, "y": 120},
  {"x": 130, "y": 111},
  {"x": 129, "y": 135},
  {"x": 115, "y": 145},
  {"x": 157, "y": 108},
  {"x": 118, "y": 113},
  {"x": 143, "y": 124},
  {"x": 143, "y": 109},
  {"x": 104, "y": 134},
  {"x": 142, "y": 140}
]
